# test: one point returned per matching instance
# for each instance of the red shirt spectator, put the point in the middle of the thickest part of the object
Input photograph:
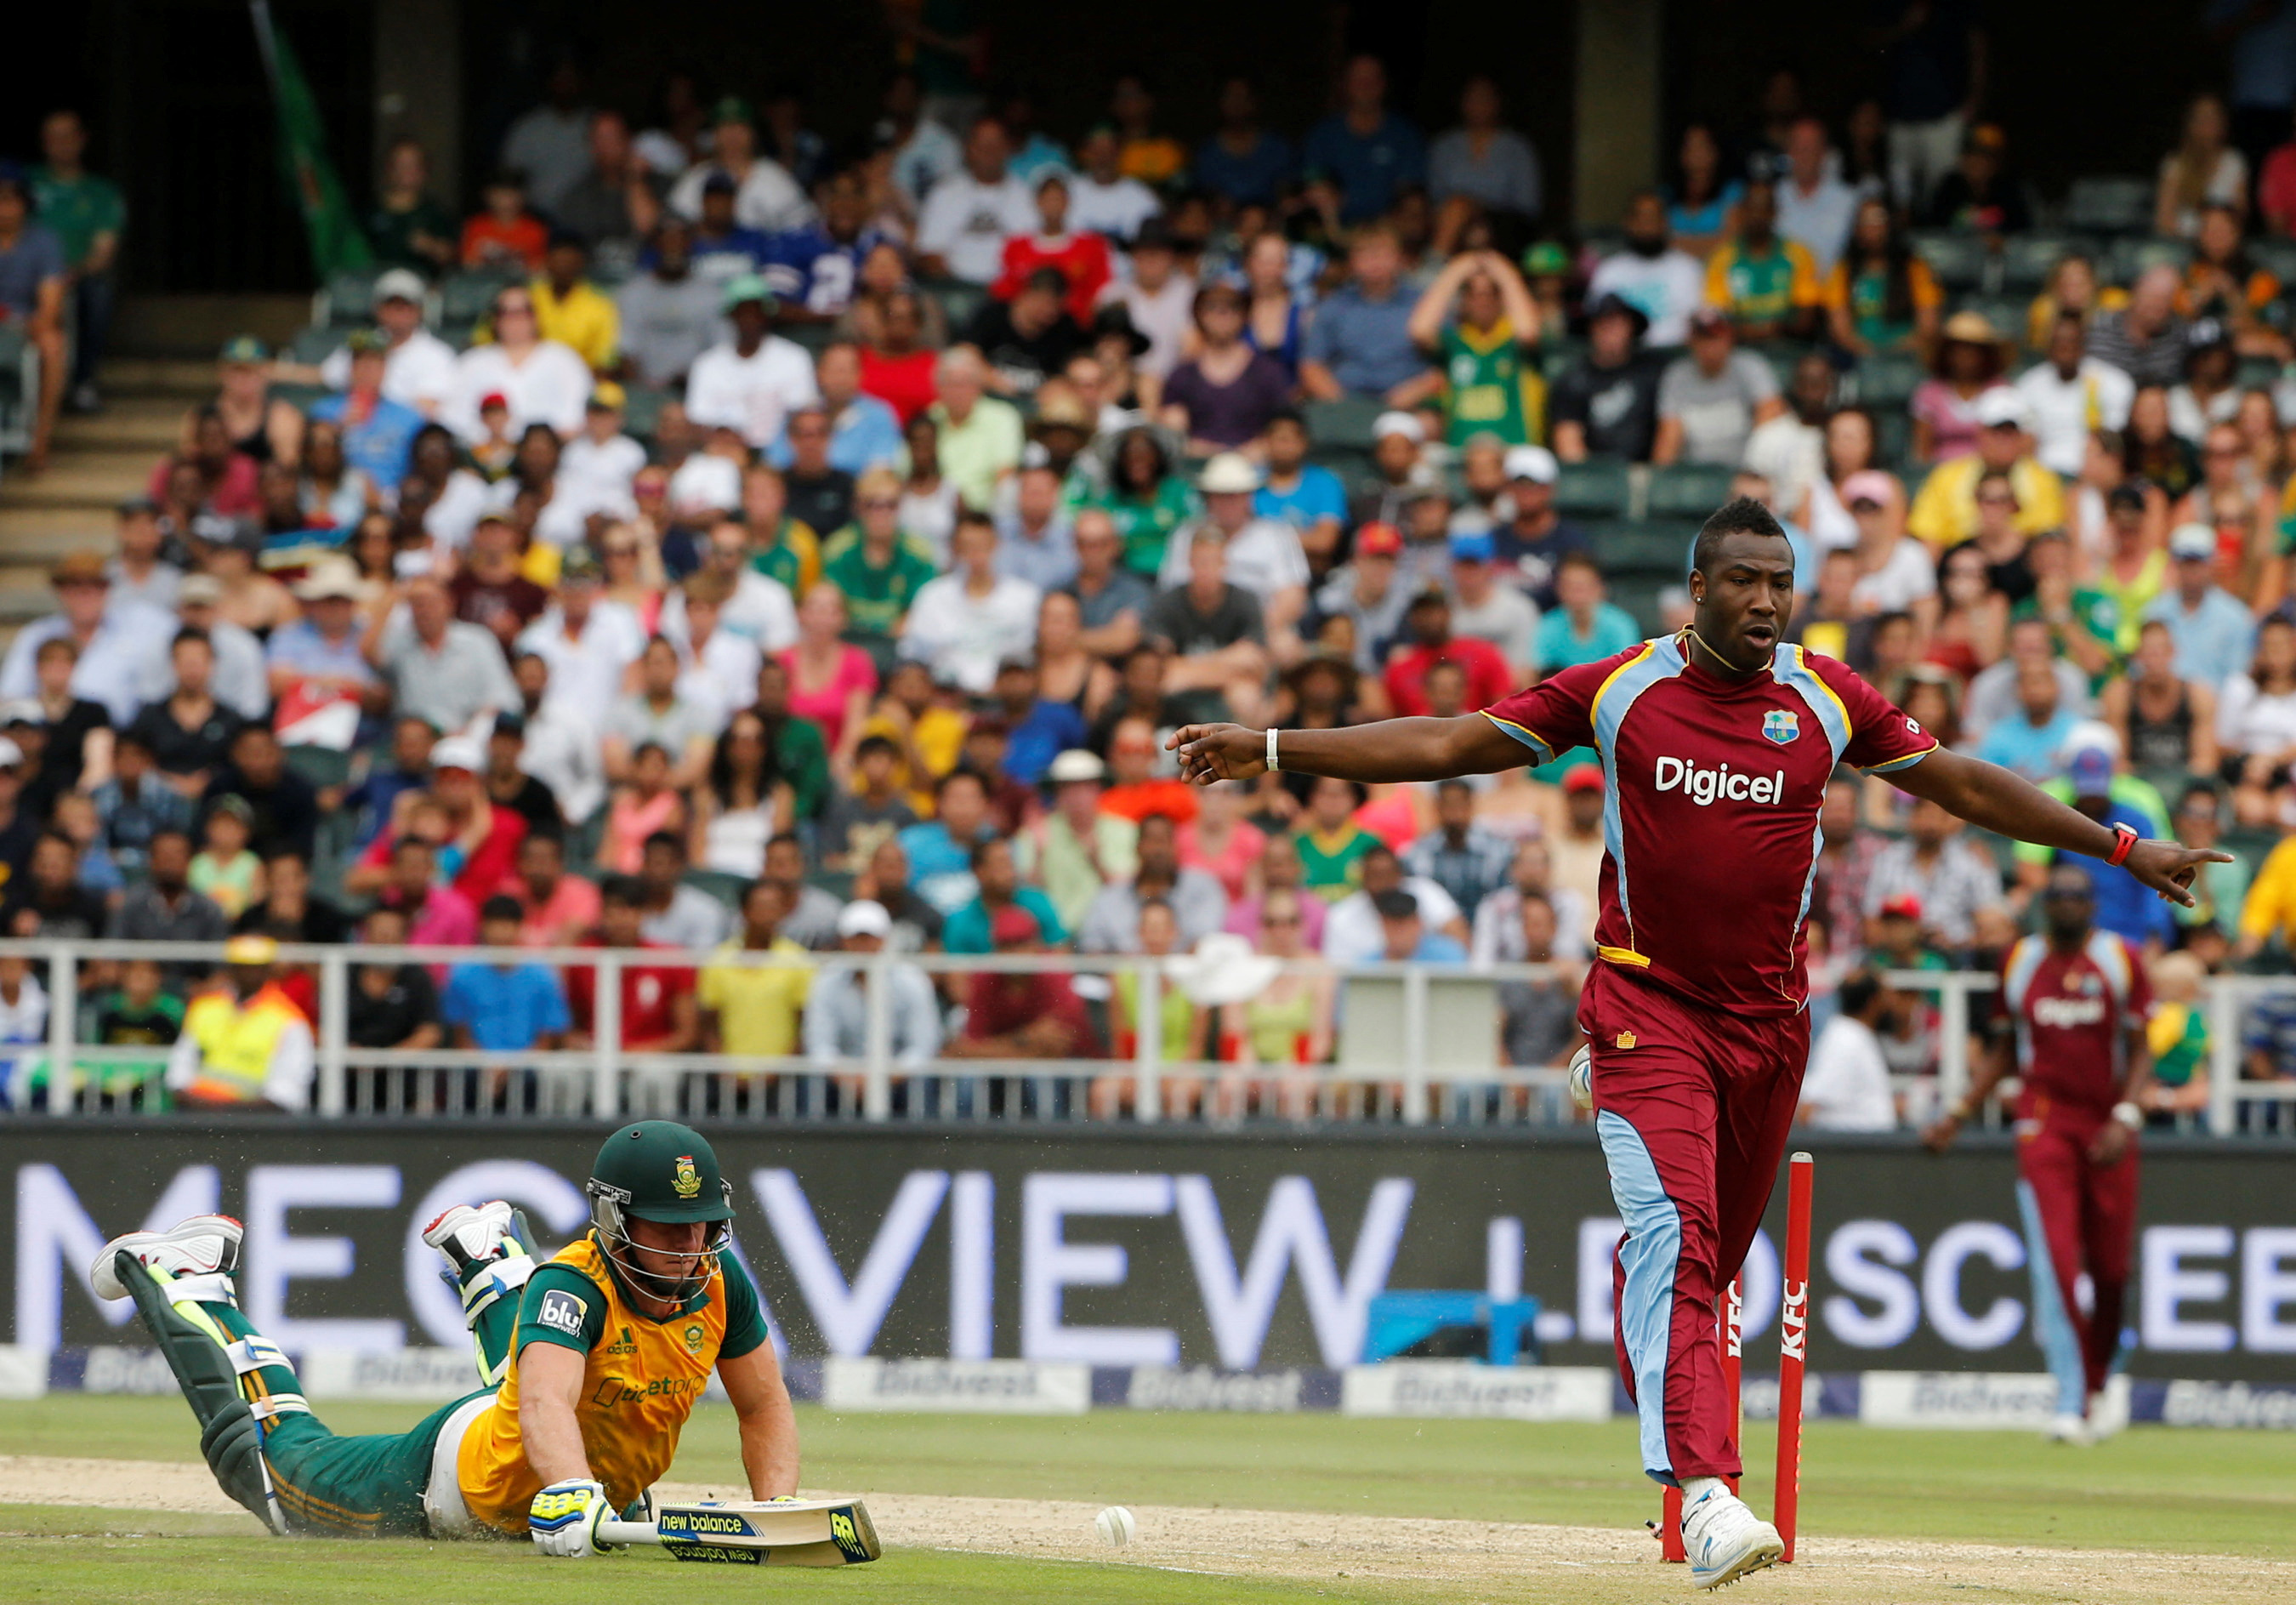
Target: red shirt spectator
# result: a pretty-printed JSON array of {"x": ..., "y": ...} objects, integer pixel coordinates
[
  {"x": 2276, "y": 190},
  {"x": 1176, "y": 799},
  {"x": 657, "y": 1003},
  {"x": 1489, "y": 679},
  {"x": 904, "y": 383},
  {"x": 490, "y": 242},
  {"x": 1082, "y": 260}
]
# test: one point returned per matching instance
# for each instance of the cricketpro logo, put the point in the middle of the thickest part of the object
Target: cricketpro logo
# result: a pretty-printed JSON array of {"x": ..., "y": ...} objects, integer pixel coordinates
[
  {"x": 1705, "y": 786},
  {"x": 562, "y": 1311}
]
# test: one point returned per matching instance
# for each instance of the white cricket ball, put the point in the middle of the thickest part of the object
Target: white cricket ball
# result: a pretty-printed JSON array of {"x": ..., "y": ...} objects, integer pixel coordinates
[{"x": 1115, "y": 1526}]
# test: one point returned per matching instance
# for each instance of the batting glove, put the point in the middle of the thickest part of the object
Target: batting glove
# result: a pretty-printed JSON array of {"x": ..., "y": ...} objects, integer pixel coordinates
[{"x": 564, "y": 1516}]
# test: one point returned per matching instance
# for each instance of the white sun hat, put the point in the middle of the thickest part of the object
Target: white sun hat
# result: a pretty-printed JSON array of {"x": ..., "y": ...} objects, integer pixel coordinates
[{"x": 1223, "y": 969}]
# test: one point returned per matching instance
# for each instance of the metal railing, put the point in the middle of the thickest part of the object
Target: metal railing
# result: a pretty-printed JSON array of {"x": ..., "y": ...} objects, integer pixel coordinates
[{"x": 1427, "y": 1071}]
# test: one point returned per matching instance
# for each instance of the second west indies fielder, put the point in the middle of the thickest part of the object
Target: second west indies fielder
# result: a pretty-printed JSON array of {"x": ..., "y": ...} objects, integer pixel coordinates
[{"x": 1717, "y": 744}]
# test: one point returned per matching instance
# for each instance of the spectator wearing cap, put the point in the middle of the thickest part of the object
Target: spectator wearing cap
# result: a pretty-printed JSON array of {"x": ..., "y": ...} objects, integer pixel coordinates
[
  {"x": 1079, "y": 257},
  {"x": 113, "y": 643},
  {"x": 1156, "y": 299},
  {"x": 542, "y": 381},
  {"x": 750, "y": 382},
  {"x": 965, "y": 622},
  {"x": 1709, "y": 401},
  {"x": 1428, "y": 640},
  {"x": 1105, "y": 199},
  {"x": 2209, "y": 395},
  {"x": 1894, "y": 571},
  {"x": 1605, "y": 403},
  {"x": 1398, "y": 450},
  {"x": 1222, "y": 398},
  {"x": 1360, "y": 341},
  {"x": 34, "y": 276},
  {"x": 837, "y": 1008},
  {"x": 1952, "y": 882},
  {"x": 480, "y": 856},
  {"x": 2089, "y": 780},
  {"x": 418, "y": 369},
  {"x": 1305, "y": 495},
  {"x": 596, "y": 467},
  {"x": 2069, "y": 394},
  {"x": 1967, "y": 365},
  {"x": 980, "y": 437},
  {"x": 1582, "y": 626},
  {"x": 968, "y": 216},
  {"x": 1977, "y": 197},
  {"x": 1028, "y": 336},
  {"x": 1368, "y": 591},
  {"x": 378, "y": 434},
  {"x": 2144, "y": 339},
  {"x": 764, "y": 197},
  {"x": 586, "y": 641},
  {"x": 245, "y": 1046},
  {"x": 1484, "y": 607},
  {"x": 140, "y": 574},
  {"x": 1945, "y": 511},
  {"x": 442, "y": 670},
  {"x": 1076, "y": 848},
  {"x": 1262, "y": 555},
  {"x": 315, "y": 663},
  {"x": 1534, "y": 537},
  {"x": 2214, "y": 631}
]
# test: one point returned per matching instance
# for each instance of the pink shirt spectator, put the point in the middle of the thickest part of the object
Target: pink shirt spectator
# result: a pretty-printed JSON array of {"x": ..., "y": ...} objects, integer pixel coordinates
[
  {"x": 565, "y": 920},
  {"x": 1952, "y": 420},
  {"x": 445, "y": 919},
  {"x": 235, "y": 496},
  {"x": 1245, "y": 843},
  {"x": 825, "y": 704},
  {"x": 630, "y": 822},
  {"x": 2276, "y": 191},
  {"x": 1244, "y": 919}
]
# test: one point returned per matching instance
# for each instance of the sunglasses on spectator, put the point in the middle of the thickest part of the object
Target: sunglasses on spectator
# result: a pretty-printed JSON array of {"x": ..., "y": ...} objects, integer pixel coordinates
[{"x": 880, "y": 504}]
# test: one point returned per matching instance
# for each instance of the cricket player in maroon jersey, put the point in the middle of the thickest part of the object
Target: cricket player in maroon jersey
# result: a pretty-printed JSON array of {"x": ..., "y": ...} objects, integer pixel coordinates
[
  {"x": 1717, "y": 742},
  {"x": 2074, "y": 1003}
]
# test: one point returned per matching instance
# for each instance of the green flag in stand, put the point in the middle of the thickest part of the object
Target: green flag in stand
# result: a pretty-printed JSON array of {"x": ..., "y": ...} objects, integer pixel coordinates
[{"x": 336, "y": 242}]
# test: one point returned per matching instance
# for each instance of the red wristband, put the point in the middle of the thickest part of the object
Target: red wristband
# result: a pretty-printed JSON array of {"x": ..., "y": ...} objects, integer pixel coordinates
[{"x": 2125, "y": 838}]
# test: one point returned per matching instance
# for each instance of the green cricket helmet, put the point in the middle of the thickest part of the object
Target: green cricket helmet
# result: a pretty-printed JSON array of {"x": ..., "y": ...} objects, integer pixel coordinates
[{"x": 663, "y": 1171}]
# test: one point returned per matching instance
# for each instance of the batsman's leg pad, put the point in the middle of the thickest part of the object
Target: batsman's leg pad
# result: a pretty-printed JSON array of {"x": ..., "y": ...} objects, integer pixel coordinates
[
  {"x": 233, "y": 1446},
  {"x": 195, "y": 1347}
]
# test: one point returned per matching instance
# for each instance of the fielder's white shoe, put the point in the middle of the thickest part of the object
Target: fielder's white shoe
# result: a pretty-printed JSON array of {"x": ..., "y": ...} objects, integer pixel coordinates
[
  {"x": 2068, "y": 1428},
  {"x": 468, "y": 1235},
  {"x": 1726, "y": 1539},
  {"x": 199, "y": 1247},
  {"x": 2108, "y": 1410}
]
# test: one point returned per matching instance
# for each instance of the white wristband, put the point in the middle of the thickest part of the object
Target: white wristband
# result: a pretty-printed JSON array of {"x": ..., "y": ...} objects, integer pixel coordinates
[
  {"x": 2129, "y": 1115},
  {"x": 1272, "y": 765}
]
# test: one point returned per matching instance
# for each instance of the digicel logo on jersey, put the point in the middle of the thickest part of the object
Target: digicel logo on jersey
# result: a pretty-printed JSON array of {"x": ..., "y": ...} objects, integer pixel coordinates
[
  {"x": 2068, "y": 1011},
  {"x": 1703, "y": 786}
]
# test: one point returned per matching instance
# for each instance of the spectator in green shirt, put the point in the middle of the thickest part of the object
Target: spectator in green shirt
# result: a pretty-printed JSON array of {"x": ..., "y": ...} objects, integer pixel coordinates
[
  {"x": 798, "y": 749},
  {"x": 875, "y": 565},
  {"x": 408, "y": 228},
  {"x": 1146, "y": 500},
  {"x": 86, "y": 214}
]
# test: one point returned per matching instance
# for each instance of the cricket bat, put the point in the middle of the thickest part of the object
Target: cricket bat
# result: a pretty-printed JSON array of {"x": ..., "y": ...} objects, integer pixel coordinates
[{"x": 787, "y": 1532}]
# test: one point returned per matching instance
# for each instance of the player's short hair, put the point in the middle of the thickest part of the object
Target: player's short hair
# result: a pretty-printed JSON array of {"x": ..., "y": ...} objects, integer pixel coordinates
[
  {"x": 1857, "y": 992},
  {"x": 1739, "y": 515}
]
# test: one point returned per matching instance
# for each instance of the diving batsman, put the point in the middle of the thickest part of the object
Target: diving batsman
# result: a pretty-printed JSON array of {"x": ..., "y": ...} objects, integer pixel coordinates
[{"x": 589, "y": 1364}]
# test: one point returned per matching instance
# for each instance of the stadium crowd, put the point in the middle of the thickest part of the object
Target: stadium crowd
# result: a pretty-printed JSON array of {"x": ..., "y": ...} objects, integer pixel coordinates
[{"x": 723, "y": 539}]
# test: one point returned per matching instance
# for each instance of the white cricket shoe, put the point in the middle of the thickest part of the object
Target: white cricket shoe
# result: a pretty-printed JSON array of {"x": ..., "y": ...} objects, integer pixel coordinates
[
  {"x": 2066, "y": 1428},
  {"x": 466, "y": 1236},
  {"x": 198, "y": 1246},
  {"x": 1726, "y": 1539},
  {"x": 1582, "y": 1079},
  {"x": 2108, "y": 1409}
]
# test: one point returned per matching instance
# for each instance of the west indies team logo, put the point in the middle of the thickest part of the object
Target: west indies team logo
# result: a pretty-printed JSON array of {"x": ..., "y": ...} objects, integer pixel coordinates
[
  {"x": 684, "y": 1179},
  {"x": 1782, "y": 725}
]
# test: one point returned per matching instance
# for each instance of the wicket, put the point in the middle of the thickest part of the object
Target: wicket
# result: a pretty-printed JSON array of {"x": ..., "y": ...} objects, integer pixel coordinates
[{"x": 1793, "y": 1351}]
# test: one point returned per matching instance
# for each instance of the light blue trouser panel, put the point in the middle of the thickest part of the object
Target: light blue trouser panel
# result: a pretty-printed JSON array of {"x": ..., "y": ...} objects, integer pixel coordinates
[
  {"x": 2052, "y": 1329},
  {"x": 1652, "y": 1249}
]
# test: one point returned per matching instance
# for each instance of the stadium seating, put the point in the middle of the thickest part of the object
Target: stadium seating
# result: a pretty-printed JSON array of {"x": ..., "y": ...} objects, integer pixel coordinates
[
  {"x": 1598, "y": 488},
  {"x": 958, "y": 300},
  {"x": 315, "y": 345},
  {"x": 20, "y": 390},
  {"x": 1653, "y": 548},
  {"x": 2103, "y": 205},
  {"x": 1688, "y": 489},
  {"x": 349, "y": 299},
  {"x": 2006, "y": 313},
  {"x": 465, "y": 297},
  {"x": 2027, "y": 260},
  {"x": 1344, "y": 424},
  {"x": 1959, "y": 260},
  {"x": 1886, "y": 380},
  {"x": 2130, "y": 257},
  {"x": 2276, "y": 257}
]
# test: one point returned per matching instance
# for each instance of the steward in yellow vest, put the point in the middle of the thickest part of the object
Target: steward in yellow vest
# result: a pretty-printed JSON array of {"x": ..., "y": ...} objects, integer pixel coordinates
[{"x": 246, "y": 1048}]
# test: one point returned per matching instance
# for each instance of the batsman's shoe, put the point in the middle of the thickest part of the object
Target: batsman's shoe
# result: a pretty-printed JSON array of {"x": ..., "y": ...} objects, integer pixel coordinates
[
  {"x": 2066, "y": 1428},
  {"x": 467, "y": 1235},
  {"x": 1726, "y": 1539},
  {"x": 205, "y": 1245},
  {"x": 2108, "y": 1410}
]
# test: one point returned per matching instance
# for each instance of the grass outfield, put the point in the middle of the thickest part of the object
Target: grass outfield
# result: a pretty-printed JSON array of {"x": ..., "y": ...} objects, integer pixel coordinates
[{"x": 2181, "y": 1492}]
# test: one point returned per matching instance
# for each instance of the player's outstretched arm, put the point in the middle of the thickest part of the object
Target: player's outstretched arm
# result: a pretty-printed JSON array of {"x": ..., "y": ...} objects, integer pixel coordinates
[
  {"x": 1993, "y": 799},
  {"x": 767, "y": 1424},
  {"x": 1393, "y": 749}
]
